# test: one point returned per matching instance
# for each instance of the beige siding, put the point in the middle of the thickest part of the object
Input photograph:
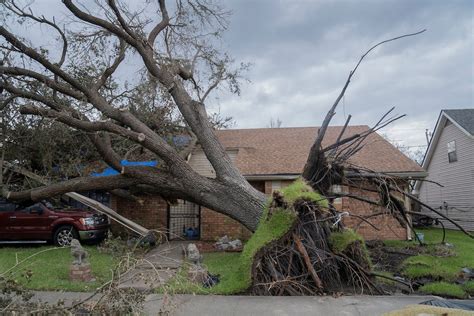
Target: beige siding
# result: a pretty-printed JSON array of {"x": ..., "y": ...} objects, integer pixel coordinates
[
  {"x": 457, "y": 178},
  {"x": 201, "y": 164}
]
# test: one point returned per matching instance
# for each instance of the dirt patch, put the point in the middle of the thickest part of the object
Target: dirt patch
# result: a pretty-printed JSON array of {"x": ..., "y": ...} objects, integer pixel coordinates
[{"x": 388, "y": 258}]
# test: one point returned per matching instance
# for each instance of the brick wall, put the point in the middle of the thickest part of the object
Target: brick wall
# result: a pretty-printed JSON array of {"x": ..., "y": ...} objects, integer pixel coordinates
[
  {"x": 215, "y": 225},
  {"x": 151, "y": 214},
  {"x": 389, "y": 227}
]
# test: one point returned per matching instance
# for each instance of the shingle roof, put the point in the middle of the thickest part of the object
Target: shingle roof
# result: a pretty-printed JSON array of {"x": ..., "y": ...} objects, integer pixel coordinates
[
  {"x": 271, "y": 151},
  {"x": 464, "y": 117}
]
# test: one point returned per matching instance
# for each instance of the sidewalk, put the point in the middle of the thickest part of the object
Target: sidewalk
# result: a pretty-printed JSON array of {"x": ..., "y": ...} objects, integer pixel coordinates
[
  {"x": 261, "y": 305},
  {"x": 159, "y": 265}
]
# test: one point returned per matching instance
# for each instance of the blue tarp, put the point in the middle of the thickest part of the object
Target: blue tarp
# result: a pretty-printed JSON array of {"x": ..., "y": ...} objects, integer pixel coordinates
[{"x": 109, "y": 171}]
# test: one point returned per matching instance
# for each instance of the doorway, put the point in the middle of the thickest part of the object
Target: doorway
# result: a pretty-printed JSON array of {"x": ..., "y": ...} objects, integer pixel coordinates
[{"x": 184, "y": 221}]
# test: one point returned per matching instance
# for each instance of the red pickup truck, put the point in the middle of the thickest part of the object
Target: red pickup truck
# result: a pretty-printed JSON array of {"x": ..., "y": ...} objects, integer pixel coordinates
[{"x": 40, "y": 221}]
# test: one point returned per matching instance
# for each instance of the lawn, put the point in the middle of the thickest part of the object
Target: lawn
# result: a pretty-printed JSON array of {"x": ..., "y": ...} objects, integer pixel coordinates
[
  {"x": 443, "y": 270},
  {"x": 233, "y": 269},
  {"x": 224, "y": 264},
  {"x": 49, "y": 269}
]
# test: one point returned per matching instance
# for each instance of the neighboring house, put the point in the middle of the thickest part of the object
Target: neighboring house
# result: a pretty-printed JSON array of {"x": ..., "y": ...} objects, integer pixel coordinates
[
  {"x": 449, "y": 161},
  {"x": 271, "y": 158}
]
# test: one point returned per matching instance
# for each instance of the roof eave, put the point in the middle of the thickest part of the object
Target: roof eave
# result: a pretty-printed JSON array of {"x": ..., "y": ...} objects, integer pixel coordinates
[
  {"x": 274, "y": 177},
  {"x": 292, "y": 176},
  {"x": 458, "y": 125}
]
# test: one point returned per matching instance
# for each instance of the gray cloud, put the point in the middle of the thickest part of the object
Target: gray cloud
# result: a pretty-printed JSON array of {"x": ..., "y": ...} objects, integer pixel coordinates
[{"x": 302, "y": 52}]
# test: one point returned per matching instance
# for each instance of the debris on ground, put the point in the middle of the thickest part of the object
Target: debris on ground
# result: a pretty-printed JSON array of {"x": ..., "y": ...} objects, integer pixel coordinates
[
  {"x": 465, "y": 305},
  {"x": 198, "y": 274},
  {"x": 227, "y": 244},
  {"x": 212, "y": 279}
]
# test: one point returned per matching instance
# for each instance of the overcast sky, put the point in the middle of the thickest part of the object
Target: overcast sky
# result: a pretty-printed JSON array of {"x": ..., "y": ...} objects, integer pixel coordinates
[{"x": 301, "y": 53}]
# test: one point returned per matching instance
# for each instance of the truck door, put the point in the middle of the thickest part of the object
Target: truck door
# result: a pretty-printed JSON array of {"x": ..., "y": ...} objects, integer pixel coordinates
[
  {"x": 30, "y": 223},
  {"x": 7, "y": 209}
]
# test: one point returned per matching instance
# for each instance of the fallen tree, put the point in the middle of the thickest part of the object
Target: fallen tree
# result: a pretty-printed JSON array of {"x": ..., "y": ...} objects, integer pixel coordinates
[
  {"x": 312, "y": 256},
  {"x": 183, "y": 68}
]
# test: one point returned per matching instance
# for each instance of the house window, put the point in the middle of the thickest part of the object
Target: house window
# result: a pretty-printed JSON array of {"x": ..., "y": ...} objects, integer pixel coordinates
[
  {"x": 276, "y": 185},
  {"x": 452, "y": 157}
]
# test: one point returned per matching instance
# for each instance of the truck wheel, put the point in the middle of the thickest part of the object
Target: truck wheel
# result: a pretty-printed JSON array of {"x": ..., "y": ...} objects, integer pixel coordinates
[{"x": 64, "y": 235}]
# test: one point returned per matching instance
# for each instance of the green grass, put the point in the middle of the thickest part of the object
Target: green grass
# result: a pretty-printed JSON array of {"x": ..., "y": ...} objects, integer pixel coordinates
[
  {"x": 441, "y": 268},
  {"x": 385, "y": 280},
  {"x": 299, "y": 189},
  {"x": 341, "y": 240},
  {"x": 469, "y": 287},
  {"x": 49, "y": 270},
  {"x": 443, "y": 288},
  {"x": 445, "y": 270},
  {"x": 224, "y": 264}
]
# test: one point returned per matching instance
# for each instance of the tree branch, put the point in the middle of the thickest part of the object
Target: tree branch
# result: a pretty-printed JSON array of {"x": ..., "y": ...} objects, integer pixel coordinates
[
  {"x": 12, "y": 39},
  {"x": 315, "y": 150},
  {"x": 121, "y": 33},
  {"x": 50, "y": 83},
  {"x": 120, "y": 18},
  {"x": 77, "y": 184},
  {"x": 110, "y": 70},
  {"x": 161, "y": 25}
]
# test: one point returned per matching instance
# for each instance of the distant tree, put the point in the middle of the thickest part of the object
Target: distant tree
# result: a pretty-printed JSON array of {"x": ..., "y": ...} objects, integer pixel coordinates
[
  {"x": 415, "y": 153},
  {"x": 275, "y": 123}
]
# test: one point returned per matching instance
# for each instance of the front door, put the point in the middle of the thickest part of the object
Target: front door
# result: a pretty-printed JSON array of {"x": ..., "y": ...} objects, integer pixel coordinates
[{"x": 184, "y": 220}]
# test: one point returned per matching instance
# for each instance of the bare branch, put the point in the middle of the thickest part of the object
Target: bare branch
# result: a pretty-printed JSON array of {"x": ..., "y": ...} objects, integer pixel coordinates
[
  {"x": 110, "y": 70},
  {"x": 30, "y": 52},
  {"x": 20, "y": 12},
  {"x": 54, "y": 84},
  {"x": 121, "y": 33},
  {"x": 161, "y": 25},
  {"x": 120, "y": 18},
  {"x": 315, "y": 150},
  {"x": 66, "y": 118}
]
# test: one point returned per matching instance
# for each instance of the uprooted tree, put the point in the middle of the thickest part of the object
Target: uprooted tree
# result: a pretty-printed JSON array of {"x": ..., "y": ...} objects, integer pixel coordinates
[{"x": 79, "y": 87}]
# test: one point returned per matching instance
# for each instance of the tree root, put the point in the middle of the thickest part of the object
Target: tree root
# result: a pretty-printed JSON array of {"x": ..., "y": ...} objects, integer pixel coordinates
[{"x": 302, "y": 261}]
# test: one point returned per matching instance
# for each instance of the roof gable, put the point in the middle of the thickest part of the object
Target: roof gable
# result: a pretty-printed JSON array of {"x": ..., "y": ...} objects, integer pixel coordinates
[{"x": 462, "y": 118}]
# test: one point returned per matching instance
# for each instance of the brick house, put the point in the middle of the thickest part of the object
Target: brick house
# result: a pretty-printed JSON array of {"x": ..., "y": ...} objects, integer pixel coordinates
[{"x": 271, "y": 158}]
